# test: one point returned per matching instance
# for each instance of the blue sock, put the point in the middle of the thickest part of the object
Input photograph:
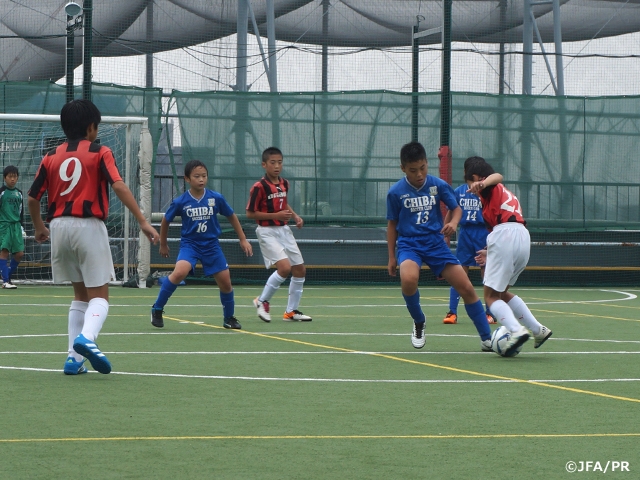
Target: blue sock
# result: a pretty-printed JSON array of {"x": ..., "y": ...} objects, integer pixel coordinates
[
  {"x": 4, "y": 268},
  {"x": 228, "y": 304},
  {"x": 476, "y": 313},
  {"x": 454, "y": 298},
  {"x": 166, "y": 290},
  {"x": 13, "y": 266},
  {"x": 413, "y": 305}
]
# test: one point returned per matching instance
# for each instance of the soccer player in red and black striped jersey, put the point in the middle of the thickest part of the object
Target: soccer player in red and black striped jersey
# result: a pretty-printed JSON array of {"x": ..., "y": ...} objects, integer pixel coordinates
[
  {"x": 77, "y": 175},
  {"x": 268, "y": 205},
  {"x": 507, "y": 254}
]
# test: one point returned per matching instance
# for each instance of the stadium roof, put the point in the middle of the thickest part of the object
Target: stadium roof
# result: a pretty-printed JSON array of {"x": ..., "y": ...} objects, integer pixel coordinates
[{"x": 33, "y": 31}]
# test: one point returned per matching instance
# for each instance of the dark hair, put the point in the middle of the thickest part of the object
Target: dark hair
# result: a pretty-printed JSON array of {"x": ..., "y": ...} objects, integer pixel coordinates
[
  {"x": 476, "y": 166},
  {"x": 191, "y": 164},
  {"x": 270, "y": 151},
  {"x": 9, "y": 169},
  {"x": 412, "y": 152},
  {"x": 471, "y": 160},
  {"x": 76, "y": 117}
]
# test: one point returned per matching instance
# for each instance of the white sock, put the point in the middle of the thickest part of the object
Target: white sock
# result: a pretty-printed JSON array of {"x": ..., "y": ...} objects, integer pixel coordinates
[
  {"x": 273, "y": 284},
  {"x": 76, "y": 321},
  {"x": 94, "y": 318},
  {"x": 524, "y": 315},
  {"x": 505, "y": 315},
  {"x": 295, "y": 293}
]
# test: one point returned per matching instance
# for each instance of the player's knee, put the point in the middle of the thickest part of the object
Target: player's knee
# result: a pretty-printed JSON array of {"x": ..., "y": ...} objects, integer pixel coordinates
[
  {"x": 284, "y": 271},
  {"x": 468, "y": 293},
  {"x": 299, "y": 271}
]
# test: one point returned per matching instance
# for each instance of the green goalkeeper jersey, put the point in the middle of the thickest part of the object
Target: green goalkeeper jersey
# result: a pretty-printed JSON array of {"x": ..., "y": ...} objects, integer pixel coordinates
[{"x": 11, "y": 205}]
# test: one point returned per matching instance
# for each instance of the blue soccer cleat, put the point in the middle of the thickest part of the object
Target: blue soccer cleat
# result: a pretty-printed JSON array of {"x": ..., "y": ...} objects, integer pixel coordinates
[
  {"x": 92, "y": 353},
  {"x": 73, "y": 367}
]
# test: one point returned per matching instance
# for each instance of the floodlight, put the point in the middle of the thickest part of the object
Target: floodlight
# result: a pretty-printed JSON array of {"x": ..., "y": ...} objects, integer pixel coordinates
[{"x": 72, "y": 9}]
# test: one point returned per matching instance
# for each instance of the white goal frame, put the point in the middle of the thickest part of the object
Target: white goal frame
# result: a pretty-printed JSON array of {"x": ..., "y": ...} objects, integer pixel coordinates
[{"x": 145, "y": 159}]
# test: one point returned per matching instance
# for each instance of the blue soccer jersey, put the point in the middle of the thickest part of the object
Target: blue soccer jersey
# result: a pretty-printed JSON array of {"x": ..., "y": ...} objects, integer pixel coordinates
[
  {"x": 417, "y": 210},
  {"x": 471, "y": 206},
  {"x": 472, "y": 235},
  {"x": 200, "y": 225}
]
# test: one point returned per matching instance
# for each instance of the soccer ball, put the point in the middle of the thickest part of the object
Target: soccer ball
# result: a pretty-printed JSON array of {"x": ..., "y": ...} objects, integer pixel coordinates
[{"x": 499, "y": 339}]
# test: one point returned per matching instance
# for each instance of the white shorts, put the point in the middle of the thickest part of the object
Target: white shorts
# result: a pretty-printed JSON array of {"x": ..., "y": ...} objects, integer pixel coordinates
[
  {"x": 508, "y": 248},
  {"x": 80, "y": 251},
  {"x": 278, "y": 243}
]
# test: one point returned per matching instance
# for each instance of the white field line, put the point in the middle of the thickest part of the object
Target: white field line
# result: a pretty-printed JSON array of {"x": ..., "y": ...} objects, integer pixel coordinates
[
  {"x": 330, "y": 380},
  {"x": 345, "y": 334},
  {"x": 322, "y": 352},
  {"x": 626, "y": 296}
]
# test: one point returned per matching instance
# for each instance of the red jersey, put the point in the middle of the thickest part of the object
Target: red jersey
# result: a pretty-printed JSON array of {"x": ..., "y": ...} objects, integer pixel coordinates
[
  {"x": 76, "y": 175},
  {"x": 269, "y": 197},
  {"x": 500, "y": 206}
]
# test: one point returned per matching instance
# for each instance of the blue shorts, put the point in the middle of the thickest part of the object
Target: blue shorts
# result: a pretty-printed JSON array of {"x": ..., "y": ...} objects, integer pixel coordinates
[
  {"x": 470, "y": 240},
  {"x": 211, "y": 258},
  {"x": 431, "y": 250}
]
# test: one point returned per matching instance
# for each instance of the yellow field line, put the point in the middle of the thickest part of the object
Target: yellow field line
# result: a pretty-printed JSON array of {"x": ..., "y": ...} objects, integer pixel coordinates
[
  {"x": 415, "y": 362},
  {"x": 319, "y": 437}
]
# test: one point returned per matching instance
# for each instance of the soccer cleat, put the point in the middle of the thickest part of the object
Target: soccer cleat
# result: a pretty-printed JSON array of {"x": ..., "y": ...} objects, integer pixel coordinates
[
  {"x": 8, "y": 285},
  {"x": 485, "y": 345},
  {"x": 91, "y": 352},
  {"x": 156, "y": 317},
  {"x": 542, "y": 337},
  {"x": 451, "y": 318},
  {"x": 296, "y": 316},
  {"x": 417, "y": 337},
  {"x": 263, "y": 309},
  {"x": 491, "y": 319},
  {"x": 231, "y": 322},
  {"x": 516, "y": 340},
  {"x": 73, "y": 367}
]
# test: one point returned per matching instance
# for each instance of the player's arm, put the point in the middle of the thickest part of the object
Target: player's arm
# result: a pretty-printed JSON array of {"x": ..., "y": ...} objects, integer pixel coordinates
[
  {"x": 41, "y": 232},
  {"x": 481, "y": 257},
  {"x": 282, "y": 215},
  {"x": 164, "y": 233},
  {"x": 296, "y": 218},
  {"x": 21, "y": 211},
  {"x": 392, "y": 238},
  {"x": 451, "y": 226},
  {"x": 126, "y": 197},
  {"x": 244, "y": 243},
  {"x": 493, "y": 179}
]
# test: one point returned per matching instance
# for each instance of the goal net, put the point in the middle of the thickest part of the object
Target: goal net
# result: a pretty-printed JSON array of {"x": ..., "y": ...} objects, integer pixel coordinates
[{"x": 25, "y": 138}]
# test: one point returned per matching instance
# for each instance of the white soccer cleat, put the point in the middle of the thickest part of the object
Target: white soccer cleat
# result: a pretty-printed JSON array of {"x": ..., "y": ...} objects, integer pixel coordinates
[
  {"x": 542, "y": 337},
  {"x": 516, "y": 341},
  {"x": 295, "y": 316},
  {"x": 417, "y": 337},
  {"x": 263, "y": 309},
  {"x": 8, "y": 285},
  {"x": 485, "y": 345}
]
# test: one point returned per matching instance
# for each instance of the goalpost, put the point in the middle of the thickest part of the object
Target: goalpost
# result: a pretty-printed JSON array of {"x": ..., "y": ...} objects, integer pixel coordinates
[{"x": 25, "y": 138}]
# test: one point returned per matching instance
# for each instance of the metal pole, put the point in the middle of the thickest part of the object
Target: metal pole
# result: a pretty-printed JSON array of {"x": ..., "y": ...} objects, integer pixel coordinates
[
  {"x": 271, "y": 46},
  {"x": 241, "y": 45},
  {"x": 87, "y": 8},
  {"x": 70, "y": 48},
  {"x": 557, "y": 38},
  {"x": 323, "y": 193},
  {"x": 149, "y": 55},
  {"x": 445, "y": 112},
  {"x": 415, "y": 73},
  {"x": 527, "y": 48},
  {"x": 325, "y": 45}
]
